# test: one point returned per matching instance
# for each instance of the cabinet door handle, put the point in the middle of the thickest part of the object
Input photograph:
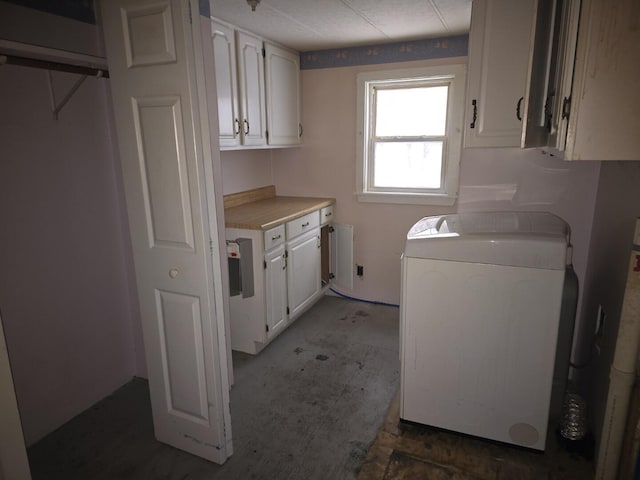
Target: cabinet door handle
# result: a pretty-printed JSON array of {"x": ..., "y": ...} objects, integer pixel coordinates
[
  {"x": 305, "y": 224},
  {"x": 300, "y": 130},
  {"x": 518, "y": 105},
  {"x": 276, "y": 237},
  {"x": 237, "y": 122},
  {"x": 328, "y": 214},
  {"x": 474, "y": 102},
  {"x": 246, "y": 126}
]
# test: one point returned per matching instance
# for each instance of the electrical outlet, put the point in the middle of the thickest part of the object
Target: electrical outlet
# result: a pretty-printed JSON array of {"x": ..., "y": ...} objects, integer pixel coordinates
[{"x": 359, "y": 270}]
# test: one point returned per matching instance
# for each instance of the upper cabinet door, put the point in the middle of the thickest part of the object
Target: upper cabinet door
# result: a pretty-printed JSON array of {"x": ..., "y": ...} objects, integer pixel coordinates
[
  {"x": 282, "y": 68},
  {"x": 224, "y": 51},
  {"x": 538, "y": 99},
  {"x": 604, "y": 121},
  {"x": 568, "y": 15},
  {"x": 252, "y": 93},
  {"x": 499, "y": 45}
]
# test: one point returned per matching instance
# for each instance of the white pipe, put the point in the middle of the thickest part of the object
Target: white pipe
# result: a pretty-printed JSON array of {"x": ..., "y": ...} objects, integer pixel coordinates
[{"x": 622, "y": 374}]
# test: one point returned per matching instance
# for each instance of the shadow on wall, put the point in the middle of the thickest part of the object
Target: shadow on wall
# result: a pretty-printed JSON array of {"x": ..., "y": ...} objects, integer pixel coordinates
[
  {"x": 617, "y": 207},
  {"x": 531, "y": 180}
]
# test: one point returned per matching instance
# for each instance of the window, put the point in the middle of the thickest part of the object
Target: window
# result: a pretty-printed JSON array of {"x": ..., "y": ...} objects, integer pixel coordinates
[{"x": 410, "y": 135}]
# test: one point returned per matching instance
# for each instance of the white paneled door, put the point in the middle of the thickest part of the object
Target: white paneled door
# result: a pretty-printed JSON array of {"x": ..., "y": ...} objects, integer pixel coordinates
[{"x": 156, "y": 69}]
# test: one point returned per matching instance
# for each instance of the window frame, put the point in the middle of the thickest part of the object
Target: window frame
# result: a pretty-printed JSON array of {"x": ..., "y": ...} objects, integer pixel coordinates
[{"x": 454, "y": 76}]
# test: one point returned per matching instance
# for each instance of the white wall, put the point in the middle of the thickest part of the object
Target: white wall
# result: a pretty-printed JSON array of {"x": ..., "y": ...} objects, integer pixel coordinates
[
  {"x": 65, "y": 283},
  {"x": 617, "y": 207}
]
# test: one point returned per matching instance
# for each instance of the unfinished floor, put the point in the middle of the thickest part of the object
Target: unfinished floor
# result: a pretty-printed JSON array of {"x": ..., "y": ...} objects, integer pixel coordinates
[
  {"x": 308, "y": 407},
  {"x": 407, "y": 451}
]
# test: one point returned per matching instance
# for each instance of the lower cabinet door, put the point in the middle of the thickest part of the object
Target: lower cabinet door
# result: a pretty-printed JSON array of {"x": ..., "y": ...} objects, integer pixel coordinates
[
  {"x": 303, "y": 270},
  {"x": 276, "y": 290}
]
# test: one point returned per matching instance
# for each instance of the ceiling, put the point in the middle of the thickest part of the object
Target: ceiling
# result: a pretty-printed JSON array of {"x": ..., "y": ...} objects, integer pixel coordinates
[{"x": 306, "y": 25}]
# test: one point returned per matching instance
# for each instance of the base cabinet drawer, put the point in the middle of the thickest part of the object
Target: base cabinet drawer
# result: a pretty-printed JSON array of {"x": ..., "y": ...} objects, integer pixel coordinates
[
  {"x": 274, "y": 237},
  {"x": 302, "y": 224}
]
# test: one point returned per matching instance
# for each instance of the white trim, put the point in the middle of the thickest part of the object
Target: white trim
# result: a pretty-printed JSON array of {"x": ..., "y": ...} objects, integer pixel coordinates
[
  {"x": 447, "y": 194},
  {"x": 407, "y": 198}
]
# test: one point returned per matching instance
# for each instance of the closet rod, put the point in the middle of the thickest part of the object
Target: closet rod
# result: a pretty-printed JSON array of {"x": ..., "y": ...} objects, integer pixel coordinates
[{"x": 60, "y": 67}]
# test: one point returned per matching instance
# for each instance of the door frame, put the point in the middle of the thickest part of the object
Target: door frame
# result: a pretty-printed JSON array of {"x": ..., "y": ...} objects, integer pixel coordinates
[{"x": 13, "y": 453}]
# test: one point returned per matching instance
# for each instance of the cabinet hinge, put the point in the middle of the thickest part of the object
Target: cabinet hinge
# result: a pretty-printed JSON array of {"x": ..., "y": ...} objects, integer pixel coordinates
[
  {"x": 287, "y": 310},
  {"x": 265, "y": 264},
  {"x": 266, "y": 132},
  {"x": 267, "y": 327},
  {"x": 264, "y": 53},
  {"x": 190, "y": 18},
  {"x": 286, "y": 254}
]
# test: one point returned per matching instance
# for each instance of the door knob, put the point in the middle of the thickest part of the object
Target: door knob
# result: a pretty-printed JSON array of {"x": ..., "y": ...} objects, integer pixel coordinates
[{"x": 174, "y": 272}]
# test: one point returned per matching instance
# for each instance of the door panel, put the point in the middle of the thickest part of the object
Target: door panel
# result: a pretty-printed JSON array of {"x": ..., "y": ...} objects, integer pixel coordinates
[
  {"x": 163, "y": 170},
  {"x": 154, "y": 74},
  {"x": 148, "y": 34},
  {"x": 182, "y": 355}
]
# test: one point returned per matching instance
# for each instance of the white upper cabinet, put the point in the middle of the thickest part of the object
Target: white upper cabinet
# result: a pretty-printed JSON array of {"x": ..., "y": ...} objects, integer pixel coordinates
[
  {"x": 282, "y": 69},
  {"x": 252, "y": 94},
  {"x": 258, "y": 90},
  {"x": 509, "y": 61},
  {"x": 224, "y": 51},
  {"x": 604, "y": 118},
  {"x": 557, "y": 73}
]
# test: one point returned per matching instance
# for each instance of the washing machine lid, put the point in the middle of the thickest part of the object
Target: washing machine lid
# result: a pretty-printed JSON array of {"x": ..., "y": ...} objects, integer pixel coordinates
[{"x": 521, "y": 239}]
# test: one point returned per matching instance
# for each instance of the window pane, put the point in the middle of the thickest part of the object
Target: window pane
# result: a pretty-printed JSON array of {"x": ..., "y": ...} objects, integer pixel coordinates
[
  {"x": 408, "y": 164},
  {"x": 411, "y": 111}
]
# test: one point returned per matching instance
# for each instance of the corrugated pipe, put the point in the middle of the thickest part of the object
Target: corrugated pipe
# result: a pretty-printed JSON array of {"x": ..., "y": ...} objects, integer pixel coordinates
[{"x": 622, "y": 374}]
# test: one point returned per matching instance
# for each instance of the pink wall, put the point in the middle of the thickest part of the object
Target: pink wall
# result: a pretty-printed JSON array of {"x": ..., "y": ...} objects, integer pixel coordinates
[
  {"x": 64, "y": 281},
  {"x": 245, "y": 170},
  {"x": 490, "y": 179}
]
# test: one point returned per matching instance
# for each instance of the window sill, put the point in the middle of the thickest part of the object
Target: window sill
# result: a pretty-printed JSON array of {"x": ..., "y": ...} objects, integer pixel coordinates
[{"x": 407, "y": 198}]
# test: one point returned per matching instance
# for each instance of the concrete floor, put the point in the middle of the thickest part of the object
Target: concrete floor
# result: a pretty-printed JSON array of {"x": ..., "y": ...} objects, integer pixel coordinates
[
  {"x": 313, "y": 405},
  {"x": 307, "y": 407}
]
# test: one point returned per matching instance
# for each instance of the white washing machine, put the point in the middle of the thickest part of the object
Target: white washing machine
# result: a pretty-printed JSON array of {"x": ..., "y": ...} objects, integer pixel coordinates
[{"x": 480, "y": 309}]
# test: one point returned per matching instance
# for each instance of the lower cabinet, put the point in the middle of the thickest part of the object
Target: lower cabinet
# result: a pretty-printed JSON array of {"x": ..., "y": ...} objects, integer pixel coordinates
[
  {"x": 303, "y": 271},
  {"x": 284, "y": 279}
]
